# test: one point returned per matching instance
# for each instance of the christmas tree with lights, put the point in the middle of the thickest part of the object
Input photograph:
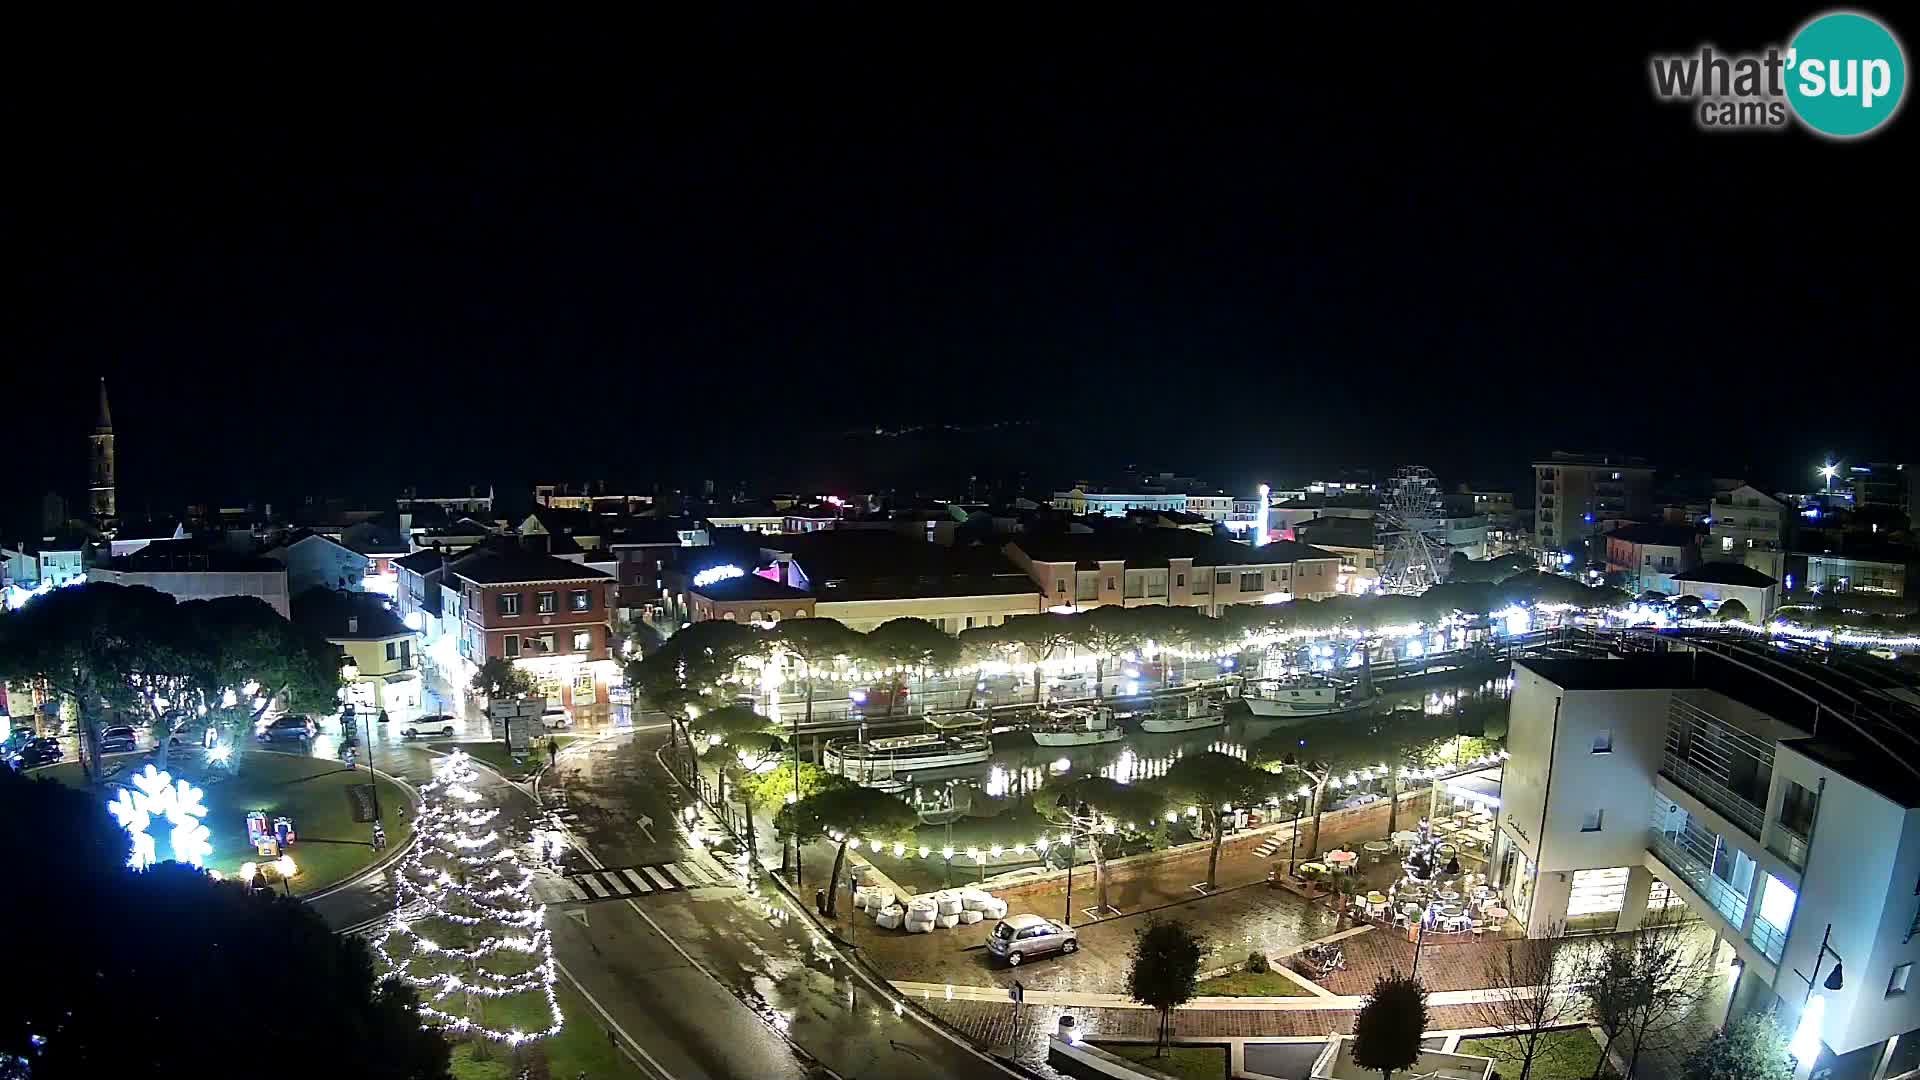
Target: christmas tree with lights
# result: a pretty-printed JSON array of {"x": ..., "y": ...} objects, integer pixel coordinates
[{"x": 467, "y": 933}]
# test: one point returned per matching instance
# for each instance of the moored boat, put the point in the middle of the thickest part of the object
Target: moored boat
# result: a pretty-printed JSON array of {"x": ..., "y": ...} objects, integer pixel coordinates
[{"x": 1083, "y": 726}]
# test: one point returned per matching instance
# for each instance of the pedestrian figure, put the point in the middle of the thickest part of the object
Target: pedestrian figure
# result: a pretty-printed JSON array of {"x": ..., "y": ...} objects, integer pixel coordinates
[
  {"x": 1019, "y": 995},
  {"x": 553, "y": 751}
]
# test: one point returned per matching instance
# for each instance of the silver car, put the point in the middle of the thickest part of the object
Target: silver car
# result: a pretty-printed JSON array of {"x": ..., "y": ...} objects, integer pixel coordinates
[{"x": 1019, "y": 938}]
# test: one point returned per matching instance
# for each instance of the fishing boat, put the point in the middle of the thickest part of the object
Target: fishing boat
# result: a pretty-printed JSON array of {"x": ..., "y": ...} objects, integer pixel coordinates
[
  {"x": 1082, "y": 726},
  {"x": 1199, "y": 713},
  {"x": 955, "y": 740},
  {"x": 1299, "y": 698}
]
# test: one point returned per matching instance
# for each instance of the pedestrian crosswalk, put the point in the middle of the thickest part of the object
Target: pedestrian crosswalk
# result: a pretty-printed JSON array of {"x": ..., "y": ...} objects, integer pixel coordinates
[{"x": 624, "y": 882}]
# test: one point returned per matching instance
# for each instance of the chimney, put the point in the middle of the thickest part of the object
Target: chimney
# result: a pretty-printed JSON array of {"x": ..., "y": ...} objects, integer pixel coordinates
[{"x": 353, "y": 624}]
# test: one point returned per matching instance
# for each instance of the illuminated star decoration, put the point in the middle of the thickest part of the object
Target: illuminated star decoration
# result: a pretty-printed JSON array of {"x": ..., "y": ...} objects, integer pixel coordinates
[{"x": 157, "y": 794}]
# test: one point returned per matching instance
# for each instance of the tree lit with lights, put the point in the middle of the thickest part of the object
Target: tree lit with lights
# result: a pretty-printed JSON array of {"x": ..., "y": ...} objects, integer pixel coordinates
[{"x": 466, "y": 933}]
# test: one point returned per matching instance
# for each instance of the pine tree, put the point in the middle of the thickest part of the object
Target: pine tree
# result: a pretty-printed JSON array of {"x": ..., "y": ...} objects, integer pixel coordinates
[{"x": 467, "y": 934}]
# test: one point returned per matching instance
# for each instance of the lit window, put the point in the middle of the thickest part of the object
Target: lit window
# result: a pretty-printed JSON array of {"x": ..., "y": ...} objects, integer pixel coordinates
[
  {"x": 547, "y": 603},
  {"x": 582, "y": 641},
  {"x": 582, "y": 600},
  {"x": 1726, "y": 543},
  {"x": 1593, "y": 821},
  {"x": 546, "y": 643}
]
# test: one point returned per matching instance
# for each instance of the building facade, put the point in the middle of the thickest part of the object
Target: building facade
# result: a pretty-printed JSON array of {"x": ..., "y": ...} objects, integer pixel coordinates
[
  {"x": 1650, "y": 782},
  {"x": 187, "y": 572},
  {"x": 1645, "y": 558},
  {"x": 1171, "y": 567},
  {"x": 1748, "y": 525},
  {"x": 1575, "y": 494},
  {"x": 549, "y": 616},
  {"x": 102, "y": 491}
]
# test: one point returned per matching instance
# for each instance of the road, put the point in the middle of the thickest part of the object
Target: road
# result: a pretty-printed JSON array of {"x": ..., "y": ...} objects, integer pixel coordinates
[{"x": 705, "y": 979}]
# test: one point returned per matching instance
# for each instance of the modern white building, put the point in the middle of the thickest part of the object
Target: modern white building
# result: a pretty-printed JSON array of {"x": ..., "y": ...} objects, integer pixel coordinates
[
  {"x": 1079, "y": 501},
  {"x": 1754, "y": 790}
]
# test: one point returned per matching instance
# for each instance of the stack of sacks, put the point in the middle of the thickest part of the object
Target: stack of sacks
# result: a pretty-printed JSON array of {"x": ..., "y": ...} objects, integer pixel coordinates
[
  {"x": 995, "y": 908},
  {"x": 888, "y": 918},
  {"x": 861, "y": 897},
  {"x": 922, "y": 912},
  {"x": 974, "y": 900},
  {"x": 968, "y": 918},
  {"x": 879, "y": 899},
  {"x": 949, "y": 903},
  {"x": 948, "y": 922}
]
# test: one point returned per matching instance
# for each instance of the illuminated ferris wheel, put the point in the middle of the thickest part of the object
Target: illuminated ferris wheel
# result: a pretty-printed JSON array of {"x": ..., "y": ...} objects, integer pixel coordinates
[{"x": 1412, "y": 508}]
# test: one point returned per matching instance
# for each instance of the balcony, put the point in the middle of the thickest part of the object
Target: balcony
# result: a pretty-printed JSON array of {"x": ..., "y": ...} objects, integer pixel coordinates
[
  {"x": 1724, "y": 767},
  {"x": 1789, "y": 845},
  {"x": 1768, "y": 938},
  {"x": 1690, "y": 852}
]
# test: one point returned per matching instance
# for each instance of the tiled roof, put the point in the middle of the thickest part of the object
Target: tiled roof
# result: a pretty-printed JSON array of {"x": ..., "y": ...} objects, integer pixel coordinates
[
  {"x": 1154, "y": 547},
  {"x": 327, "y": 612},
  {"x": 510, "y": 567}
]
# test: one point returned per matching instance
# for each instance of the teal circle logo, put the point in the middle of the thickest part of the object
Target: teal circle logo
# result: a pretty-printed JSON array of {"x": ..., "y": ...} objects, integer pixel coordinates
[{"x": 1845, "y": 74}]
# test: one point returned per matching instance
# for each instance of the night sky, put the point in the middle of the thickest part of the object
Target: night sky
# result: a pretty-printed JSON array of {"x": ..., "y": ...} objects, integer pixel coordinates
[{"x": 327, "y": 257}]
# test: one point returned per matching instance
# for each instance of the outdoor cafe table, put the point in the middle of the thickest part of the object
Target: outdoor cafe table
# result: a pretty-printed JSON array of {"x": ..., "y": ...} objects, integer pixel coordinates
[
  {"x": 1343, "y": 860},
  {"x": 1463, "y": 815},
  {"x": 1497, "y": 914},
  {"x": 1449, "y": 911},
  {"x": 1377, "y": 848},
  {"x": 1376, "y": 898},
  {"x": 1313, "y": 868},
  {"x": 1405, "y": 838},
  {"x": 1448, "y": 895}
]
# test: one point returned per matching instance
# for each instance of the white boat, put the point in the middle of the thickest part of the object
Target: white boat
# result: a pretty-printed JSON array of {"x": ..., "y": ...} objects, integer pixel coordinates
[
  {"x": 1304, "y": 697},
  {"x": 1198, "y": 714},
  {"x": 957, "y": 739},
  {"x": 1076, "y": 727}
]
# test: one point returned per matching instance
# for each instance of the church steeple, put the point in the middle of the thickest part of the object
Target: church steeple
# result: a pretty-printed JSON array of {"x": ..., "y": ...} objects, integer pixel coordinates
[{"x": 100, "y": 485}]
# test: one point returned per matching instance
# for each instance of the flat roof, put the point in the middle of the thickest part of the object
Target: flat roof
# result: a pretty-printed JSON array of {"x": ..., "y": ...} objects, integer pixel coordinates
[
  {"x": 1664, "y": 672},
  {"x": 749, "y": 588}
]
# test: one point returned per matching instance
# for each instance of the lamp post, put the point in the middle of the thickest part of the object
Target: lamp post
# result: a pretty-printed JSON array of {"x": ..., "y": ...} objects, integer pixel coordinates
[
  {"x": 285, "y": 865},
  {"x": 1805, "y": 1046},
  {"x": 1319, "y": 771},
  {"x": 352, "y": 672},
  {"x": 1828, "y": 471}
]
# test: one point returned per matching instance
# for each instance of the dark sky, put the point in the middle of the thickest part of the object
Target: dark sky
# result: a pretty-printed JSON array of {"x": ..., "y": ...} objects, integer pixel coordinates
[{"x": 346, "y": 256}]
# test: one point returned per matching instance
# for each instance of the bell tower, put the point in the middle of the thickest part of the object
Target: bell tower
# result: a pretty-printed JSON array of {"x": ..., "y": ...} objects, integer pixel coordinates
[{"x": 100, "y": 493}]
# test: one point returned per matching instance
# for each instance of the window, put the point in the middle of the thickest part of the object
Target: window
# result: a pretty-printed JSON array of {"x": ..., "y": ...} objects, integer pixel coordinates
[
  {"x": 512, "y": 643},
  {"x": 1796, "y": 810},
  {"x": 1180, "y": 581},
  {"x": 583, "y": 641},
  {"x": 1603, "y": 742},
  {"x": 546, "y": 643},
  {"x": 1593, "y": 821},
  {"x": 582, "y": 600},
  {"x": 1222, "y": 577},
  {"x": 1726, "y": 543},
  {"x": 1898, "y": 983},
  {"x": 509, "y": 603},
  {"x": 969, "y": 622},
  {"x": 1250, "y": 582},
  {"x": 1110, "y": 583},
  {"x": 393, "y": 650},
  {"x": 1060, "y": 585},
  {"x": 546, "y": 603}
]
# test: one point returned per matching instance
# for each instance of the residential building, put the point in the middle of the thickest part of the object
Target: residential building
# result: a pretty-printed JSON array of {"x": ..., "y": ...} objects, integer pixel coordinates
[
  {"x": 316, "y": 561},
  {"x": 866, "y": 577},
  {"x": 1488, "y": 501},
  {"x": 592, "y": 498},
  {"x": 1214, "y": 506},
  {"x": 417, "y": 595},
  {"x": 1750, "y": 526},
  {"x": 1644, "y": 558},
  {"x": 1715, "y": 583},
  {"x": 50, "y": 560},
  {"x": 472, "y": 504},
  {"x": 1574, "y": 494},
  {"x": 546, "y": 614},
  {"x": 1880, "y": 485},
  {"x": 131, "y": 536},
  {"x": 751, "y": 517},
  {"x": 384, "y": 674},
  {"x": 186, "y": 570},
  {"x": 1135, "y": 567},
  {"x": 1752, "y": 790},
  {"x": 1081, "y": 502},
  {"x": 1354, "y": 541},
  {"x": 1881, "y": 571}
]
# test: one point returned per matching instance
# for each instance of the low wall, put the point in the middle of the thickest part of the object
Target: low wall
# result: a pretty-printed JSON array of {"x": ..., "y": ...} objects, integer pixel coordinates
[{"x": 1089, "y": 1062}]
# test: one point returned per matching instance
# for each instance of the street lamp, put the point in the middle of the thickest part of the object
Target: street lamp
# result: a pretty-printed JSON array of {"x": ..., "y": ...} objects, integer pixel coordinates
[
  {"x": 284, "y": 864},
  {"x": 352, "y": 672},
  {"x": 1320, "y": 776},
  {"x": 1829, "y": 471},
  {"x": 1805, "y": 1046}
]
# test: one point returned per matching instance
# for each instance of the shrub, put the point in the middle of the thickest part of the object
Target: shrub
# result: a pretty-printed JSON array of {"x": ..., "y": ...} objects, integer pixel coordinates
[{"x": 1257, "y": 963}]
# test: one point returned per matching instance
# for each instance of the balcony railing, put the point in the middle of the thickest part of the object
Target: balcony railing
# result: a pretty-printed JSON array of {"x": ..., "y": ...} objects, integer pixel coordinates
[
  {"x": 1718, "y": 798},
  {"x": 1790, "y": 846},
  {"x": 1768, "y": 938},
  {"x": 1725, "y": 899}
]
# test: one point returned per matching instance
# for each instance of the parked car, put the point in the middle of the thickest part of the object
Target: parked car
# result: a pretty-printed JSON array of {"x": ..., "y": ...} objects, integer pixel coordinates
[
  {"x": 118, "y": 739},
  {"x": 879, "y": 696},
  {"x": 35, "y": 752},
  {"x": 291, "y": 726},
  {"x": 556, "y": 718},
  {"x": 438, "y": 724},
  {"x": 1019, "y": 938}
]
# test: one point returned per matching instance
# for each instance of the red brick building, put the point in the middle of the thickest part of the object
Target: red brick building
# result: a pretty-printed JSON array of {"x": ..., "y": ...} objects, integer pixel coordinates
[{"x": 550, "y": 616}]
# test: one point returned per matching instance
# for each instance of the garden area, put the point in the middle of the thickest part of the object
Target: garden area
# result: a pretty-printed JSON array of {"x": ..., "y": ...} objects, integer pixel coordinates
[
  {"x": 1177, "y": 1060},
  {"x": 331, "y": 845},
  {"x": 581, "y": 1048},
  {"x": 1565, "y": 1054},
  {"x": 1250, "y": 984}
]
